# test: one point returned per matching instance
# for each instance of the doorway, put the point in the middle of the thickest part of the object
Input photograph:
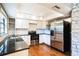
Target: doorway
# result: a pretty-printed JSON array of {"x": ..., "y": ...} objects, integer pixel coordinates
[{"x": 67, "y": 37}]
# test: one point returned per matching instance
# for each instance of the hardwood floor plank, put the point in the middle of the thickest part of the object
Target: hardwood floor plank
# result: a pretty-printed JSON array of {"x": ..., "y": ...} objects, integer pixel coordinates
[{"x": 43, "y": 50}]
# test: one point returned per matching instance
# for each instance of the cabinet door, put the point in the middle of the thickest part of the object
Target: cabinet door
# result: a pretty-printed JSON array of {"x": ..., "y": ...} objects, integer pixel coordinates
[
  {"x": 44, "y": 39},
  {"x": 41, "y": 39},
  {"x": 19, "y": 23},
  {"x": 26, "y": 39}
]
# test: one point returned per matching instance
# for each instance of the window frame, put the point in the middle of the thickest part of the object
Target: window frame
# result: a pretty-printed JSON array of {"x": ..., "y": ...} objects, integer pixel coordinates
[{"x": 3, "y": 28}]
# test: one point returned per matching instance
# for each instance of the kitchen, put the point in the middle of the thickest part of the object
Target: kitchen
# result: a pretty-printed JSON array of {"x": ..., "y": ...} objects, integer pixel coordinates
[{"x": 35, "y": 24}]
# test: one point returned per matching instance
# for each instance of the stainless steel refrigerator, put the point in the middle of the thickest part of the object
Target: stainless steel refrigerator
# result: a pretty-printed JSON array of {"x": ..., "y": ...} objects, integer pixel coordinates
[{"x": 61, "y": 40}]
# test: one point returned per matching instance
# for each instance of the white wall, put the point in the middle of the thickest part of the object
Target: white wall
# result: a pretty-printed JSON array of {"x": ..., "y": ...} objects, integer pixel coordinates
[{"x": 75, "y": 30}]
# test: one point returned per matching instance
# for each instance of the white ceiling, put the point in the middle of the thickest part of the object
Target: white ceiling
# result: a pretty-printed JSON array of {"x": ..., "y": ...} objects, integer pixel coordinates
[
  {"x": 65, "y": 8},
  {"x": 40, "y": 10}
]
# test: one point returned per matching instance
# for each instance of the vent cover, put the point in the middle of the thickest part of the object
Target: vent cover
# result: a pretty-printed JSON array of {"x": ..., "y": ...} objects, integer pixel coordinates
[{"x": 57, "y": 7}]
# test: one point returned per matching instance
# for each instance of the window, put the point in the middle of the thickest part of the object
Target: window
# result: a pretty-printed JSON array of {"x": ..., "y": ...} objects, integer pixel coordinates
[
  {"x": 3, "y": 22},
  {"x": 2, "y": 26}
]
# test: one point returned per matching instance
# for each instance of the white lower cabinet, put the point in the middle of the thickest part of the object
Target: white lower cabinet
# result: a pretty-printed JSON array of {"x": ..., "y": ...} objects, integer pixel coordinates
[
  {"x": 44, "y": 39},
  {"x": 26, "y": 39}
]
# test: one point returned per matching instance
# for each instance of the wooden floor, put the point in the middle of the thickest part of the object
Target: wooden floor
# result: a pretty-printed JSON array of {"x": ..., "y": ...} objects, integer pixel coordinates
[
  {"x": 43, "y": 50},
  {"x": 37, "y": 50}
]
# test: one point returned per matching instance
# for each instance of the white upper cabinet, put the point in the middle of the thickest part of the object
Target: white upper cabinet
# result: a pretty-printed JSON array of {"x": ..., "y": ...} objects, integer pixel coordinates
[{"x": 20, "y": 23}]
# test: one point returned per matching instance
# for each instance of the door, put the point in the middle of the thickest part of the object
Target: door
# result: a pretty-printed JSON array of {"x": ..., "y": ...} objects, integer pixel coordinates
[{"x": 67, "y": 37}]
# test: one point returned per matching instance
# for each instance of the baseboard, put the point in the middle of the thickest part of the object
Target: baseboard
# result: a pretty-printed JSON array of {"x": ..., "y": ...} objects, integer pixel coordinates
[{"x": 41, "y": 43}]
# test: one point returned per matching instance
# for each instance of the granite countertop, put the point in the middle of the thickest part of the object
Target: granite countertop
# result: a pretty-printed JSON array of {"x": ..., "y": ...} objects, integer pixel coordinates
[
  {"x": 22, "y": 35},
  {"x": 2, "y": 38},
  {"x": 44, "y": 34}
]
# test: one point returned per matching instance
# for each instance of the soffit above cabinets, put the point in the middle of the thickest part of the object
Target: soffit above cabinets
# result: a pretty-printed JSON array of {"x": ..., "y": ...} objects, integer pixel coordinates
[{"x": 38, "y": 11}]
